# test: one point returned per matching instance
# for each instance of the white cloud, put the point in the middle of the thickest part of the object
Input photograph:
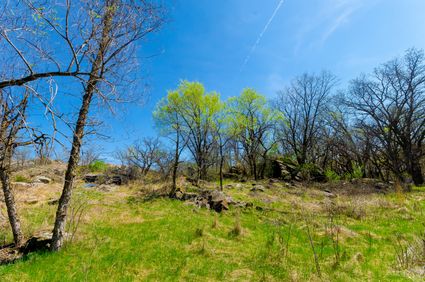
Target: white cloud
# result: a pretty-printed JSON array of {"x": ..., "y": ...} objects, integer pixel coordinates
[{"x": 331, "y": 16}]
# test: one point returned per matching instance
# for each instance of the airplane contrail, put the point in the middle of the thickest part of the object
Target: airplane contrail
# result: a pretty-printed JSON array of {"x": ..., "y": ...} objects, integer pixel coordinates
[{"x": 261, "y": 34}]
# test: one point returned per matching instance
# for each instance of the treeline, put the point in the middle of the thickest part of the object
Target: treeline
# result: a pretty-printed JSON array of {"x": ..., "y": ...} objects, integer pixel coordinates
[{"x": 375, "y": 128}]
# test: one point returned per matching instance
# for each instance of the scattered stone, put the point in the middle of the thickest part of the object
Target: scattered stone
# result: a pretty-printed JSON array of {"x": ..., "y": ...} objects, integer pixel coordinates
[
  {"x": 92, "y": 177},
  {"x": 21, "y": 185},
  {"x": 9, "y": 254},
  {"x": 106, "y": 188},
  {"x": 39, "y": 242},
  {"x": 329, "y": 194},
  {"x": 42, "y": 179},
  {"x": 258, "y": 188},
  {"x": 210, "y": 199},
  {"x": 53, "y": 202},
  {"x": 228, "y": 186}
]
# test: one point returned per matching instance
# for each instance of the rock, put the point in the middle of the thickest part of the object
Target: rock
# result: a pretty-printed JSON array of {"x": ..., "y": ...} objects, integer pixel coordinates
[
  {"x": 218, "y": 201},
  {"x": 21, "y": 185},
  {"x": 258, "y": 188},
  {"x": 106, "y": 188},
  {"x": 92, "y": 177},
  {"x": 189, "y": 196},
  {"x": 39, "y": 242},
  {"x": 210, "y": 199},
  {"x": 381, "y": 186},
  {"x": 239, "y": 186},
  {"x": 329, "y": 194},
  {"x": 32, "y": 201},
  {"x": 43, "y": 179},
  {"x": 9, "y": 254},
  {"x": 273, "y": 180},
  {"x": 117, "y": 180},
  {"x": 53, "y": 202},
  {"x": 178, "y": 195}
]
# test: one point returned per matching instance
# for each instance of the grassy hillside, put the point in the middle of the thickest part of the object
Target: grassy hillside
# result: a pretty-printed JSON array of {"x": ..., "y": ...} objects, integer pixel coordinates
[{"x": 122, "y": 237}]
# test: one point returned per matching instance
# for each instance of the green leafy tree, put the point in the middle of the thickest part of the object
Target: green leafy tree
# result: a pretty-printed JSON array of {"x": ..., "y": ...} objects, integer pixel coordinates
[
  {"x": 253, "y": 125},
  {"x": 196, "y": 110}
]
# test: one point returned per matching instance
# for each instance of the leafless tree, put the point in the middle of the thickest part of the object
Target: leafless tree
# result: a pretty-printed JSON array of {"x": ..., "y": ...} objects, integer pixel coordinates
[
  {"x": 12, "y": 120},
  {"x": 304, "y": 106},
  {"x": 110, "y": 29},
  {"x": 143, "y": 154},
  {"x": 21, "y": 156},
  {"x": 89, "y": 155},
  {"x": 390, "y": 107}
]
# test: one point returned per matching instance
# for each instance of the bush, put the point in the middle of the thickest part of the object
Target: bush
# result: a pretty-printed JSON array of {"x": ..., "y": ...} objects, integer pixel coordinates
[
  {"x": 21, "y": 178},
  {"x": 332, "y": 175},
  {"x": 357, "y": 171},
  {"x": 98, "y": 166}
]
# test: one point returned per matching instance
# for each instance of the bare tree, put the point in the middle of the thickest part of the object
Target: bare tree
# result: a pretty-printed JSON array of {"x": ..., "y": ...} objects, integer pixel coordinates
[
  {"x": 304, "y": 106},
  {"x": 21, "y": 156},
  {"x": 111, "y": 28},
  {"x": 390, "y": 106},
  {"x": 143, "y": 154},
  {"x": 12, "y": 120},
  {"x": 89, "y": 155}
]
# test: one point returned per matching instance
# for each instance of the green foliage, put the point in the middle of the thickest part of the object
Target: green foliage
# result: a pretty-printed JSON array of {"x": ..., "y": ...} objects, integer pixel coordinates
[
  {"x": 249, "y": 112},
  {"x": 98, "y": 166},
  {"x": 21, "y": 178},
  {"x": 357, "y": 171},
  {"x": 332, "y": 175}
]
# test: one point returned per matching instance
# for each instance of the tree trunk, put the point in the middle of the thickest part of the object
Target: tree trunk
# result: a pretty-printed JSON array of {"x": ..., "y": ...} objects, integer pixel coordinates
[
  {"x": 254, "y": 168},
  {"x": 175, "y": 166},
  {"x": 95, "y": 75},
  {"x": 221, "y": 168},
  {"x": 64, "y": 201},
  {"x": 416, "y": 172},
  {"x": 11, "y": 208}
]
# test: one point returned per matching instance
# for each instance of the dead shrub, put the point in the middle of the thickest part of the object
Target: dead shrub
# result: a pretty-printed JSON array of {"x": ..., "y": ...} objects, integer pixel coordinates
[{"x": 409, "y": 253}]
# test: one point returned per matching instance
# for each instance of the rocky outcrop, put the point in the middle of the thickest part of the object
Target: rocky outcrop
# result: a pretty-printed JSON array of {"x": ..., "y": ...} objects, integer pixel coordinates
[
  {"x": 111, "y": 179},
  {"x": 210, "y": 199},
  {"x": 42, "y": 179},
  {"x": 289, "y": 170}
]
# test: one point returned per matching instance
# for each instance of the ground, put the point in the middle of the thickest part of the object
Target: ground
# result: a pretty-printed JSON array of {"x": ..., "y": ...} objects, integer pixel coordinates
[{"x": 292, "y": 233}]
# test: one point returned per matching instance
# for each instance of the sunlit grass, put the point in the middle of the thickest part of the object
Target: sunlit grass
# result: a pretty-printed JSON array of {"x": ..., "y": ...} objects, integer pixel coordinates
[{"x": 167, "y": 240}]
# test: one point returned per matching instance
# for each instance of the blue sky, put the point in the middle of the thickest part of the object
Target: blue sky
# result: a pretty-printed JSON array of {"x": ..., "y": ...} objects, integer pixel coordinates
[{"x": 209, "y": 41}]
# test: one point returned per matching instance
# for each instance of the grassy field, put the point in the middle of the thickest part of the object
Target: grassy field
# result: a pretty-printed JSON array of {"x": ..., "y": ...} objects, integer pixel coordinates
[{"x": 291, "y": 234}]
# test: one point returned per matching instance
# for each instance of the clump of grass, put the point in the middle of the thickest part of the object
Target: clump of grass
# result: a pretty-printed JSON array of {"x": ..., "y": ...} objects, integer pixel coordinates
[
  {"x": 215, "y": 222},
  {"x": 237, "y": 228},
  {"x": 21, "y": 178},
  {"x": 409, "y": 253},
  {"x": 199, "y": 232}
]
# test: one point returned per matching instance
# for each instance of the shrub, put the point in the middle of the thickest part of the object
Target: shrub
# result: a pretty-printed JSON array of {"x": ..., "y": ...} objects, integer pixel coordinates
[
  {"x": 21, "y": 178},
  {"x": 332, "y": 175},
  {"x": 357, "y": 171},
  {"x": 98, "y": 166}
]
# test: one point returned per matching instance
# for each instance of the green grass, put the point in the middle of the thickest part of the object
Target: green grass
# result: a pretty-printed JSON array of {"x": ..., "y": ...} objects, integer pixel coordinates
[
  {"x": 166, "y": 240},
  {"x": 21, "y": 178}
]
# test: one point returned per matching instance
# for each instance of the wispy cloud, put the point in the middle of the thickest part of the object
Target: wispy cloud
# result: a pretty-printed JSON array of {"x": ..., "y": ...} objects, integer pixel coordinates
[
  {"x": 331, "y": 17},
  {"x": 260, "y": 36}
]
